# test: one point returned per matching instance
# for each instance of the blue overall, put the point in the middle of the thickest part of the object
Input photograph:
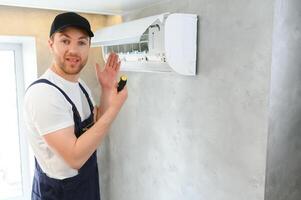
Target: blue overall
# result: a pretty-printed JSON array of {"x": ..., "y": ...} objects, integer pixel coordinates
[{"x": 85, "y": 185}]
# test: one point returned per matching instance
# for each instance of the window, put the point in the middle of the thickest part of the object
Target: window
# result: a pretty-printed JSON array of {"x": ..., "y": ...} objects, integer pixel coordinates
[{"x": 15, "y": 169}]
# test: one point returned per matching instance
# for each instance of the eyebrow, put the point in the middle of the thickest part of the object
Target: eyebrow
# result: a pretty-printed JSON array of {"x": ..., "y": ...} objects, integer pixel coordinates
[{"x": 82, "y": 37}]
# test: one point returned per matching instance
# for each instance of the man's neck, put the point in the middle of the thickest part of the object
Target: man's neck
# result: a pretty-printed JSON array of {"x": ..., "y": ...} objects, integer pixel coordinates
[{"x": 61, "y": 73}]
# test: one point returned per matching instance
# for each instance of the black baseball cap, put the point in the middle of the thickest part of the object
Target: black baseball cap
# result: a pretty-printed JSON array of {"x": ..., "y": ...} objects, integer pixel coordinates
[{"x": 70, "y": 19}]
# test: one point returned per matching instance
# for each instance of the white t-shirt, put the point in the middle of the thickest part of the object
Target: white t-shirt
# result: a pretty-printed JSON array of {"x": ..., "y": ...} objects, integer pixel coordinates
[{"x": 46, "y": 110}]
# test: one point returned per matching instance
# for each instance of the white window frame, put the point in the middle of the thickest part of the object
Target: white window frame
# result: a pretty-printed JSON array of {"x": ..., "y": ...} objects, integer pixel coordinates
[{"x": 26, "y": 72}]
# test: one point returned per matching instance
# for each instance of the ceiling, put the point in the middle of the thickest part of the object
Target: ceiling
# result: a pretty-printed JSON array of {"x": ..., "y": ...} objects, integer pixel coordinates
[{"x": 108, "y": 7}]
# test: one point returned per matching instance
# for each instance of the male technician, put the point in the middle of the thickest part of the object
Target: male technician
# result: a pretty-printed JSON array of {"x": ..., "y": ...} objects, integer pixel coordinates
[{"x": 64, "y": 125}]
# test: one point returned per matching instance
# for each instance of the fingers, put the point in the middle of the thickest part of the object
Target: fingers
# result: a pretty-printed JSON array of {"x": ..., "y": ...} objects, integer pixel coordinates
[
  {"x": 118, "y": 66},
  {"x": 113, "y": 61},
  {"x": 109, "y": 60},
  {"x": 124, "y": 93}
]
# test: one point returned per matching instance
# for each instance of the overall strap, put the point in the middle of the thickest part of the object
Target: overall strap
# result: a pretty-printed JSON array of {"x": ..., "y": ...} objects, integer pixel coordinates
[
  {"x": 75, "y": 111},
  {"x": 87, "y": 96}
]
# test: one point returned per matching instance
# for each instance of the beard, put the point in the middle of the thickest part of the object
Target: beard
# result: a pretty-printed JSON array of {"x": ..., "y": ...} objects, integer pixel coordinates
[{"x": 70, "y": 68}]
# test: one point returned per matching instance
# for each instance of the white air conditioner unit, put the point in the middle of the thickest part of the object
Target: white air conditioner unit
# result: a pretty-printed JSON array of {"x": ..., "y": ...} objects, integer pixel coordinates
[{"x": 161, "y": 43}]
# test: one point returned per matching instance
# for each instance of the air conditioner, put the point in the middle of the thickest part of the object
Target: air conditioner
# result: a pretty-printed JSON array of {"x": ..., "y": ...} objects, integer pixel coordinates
[{"x": 161, "y": 43}]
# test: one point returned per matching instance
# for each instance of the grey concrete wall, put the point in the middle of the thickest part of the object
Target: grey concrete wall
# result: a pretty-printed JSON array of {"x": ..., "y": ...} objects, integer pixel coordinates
[
  {"x": 201, "y": 137},
  {"x": 284, "y": 144}
]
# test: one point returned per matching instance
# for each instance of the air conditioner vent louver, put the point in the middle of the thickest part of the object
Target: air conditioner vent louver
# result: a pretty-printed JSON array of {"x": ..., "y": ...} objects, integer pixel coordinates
[{"x": 160, "y": 43}]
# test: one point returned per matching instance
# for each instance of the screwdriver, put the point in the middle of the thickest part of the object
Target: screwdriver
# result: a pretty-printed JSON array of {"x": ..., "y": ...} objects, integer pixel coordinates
[{"x": 121, "y": 83}]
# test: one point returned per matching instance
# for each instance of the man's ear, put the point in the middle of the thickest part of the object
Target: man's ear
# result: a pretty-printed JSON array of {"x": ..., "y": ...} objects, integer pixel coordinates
[{"x": 50, "y": 44}]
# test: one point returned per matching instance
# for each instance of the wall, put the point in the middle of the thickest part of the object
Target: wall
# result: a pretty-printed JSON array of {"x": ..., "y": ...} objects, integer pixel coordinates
[
  {"x": 36, "y": 23},
  {"x": 178, "y": 137},
  {"x": 284, "y": 141},
  {"x": 202, "y": 137}
]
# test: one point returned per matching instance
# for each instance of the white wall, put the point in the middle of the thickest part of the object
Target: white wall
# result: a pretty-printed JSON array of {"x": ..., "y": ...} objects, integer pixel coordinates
[{"x": 200, "y": 137}]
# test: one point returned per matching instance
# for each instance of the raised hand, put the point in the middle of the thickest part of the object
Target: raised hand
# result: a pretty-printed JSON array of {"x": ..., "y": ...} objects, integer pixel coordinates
[{"x": 107, "y": 77}]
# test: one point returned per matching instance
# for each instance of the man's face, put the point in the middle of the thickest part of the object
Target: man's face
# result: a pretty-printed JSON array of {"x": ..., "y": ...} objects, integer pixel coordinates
[{"x": 70, "y": 49}]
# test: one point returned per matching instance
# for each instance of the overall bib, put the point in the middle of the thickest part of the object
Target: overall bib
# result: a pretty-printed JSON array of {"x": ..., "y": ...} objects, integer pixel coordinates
[{"x": 85, "y": 185}]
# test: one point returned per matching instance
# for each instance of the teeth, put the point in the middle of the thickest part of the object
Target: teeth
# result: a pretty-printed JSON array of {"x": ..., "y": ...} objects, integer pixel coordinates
[{"x": 72, "y": 59}]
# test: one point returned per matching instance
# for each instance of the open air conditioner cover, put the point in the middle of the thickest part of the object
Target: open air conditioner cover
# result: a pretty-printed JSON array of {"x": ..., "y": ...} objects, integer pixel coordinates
[
  {"x": 128, "y": 32},
  {"x": 160, "y": 43}
]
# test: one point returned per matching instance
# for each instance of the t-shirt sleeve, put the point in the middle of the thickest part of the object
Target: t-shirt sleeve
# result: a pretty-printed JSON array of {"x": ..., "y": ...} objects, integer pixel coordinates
[{"x": 47, "y": 109}]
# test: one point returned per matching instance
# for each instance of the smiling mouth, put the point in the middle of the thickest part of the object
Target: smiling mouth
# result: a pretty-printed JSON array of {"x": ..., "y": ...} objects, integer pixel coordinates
[{"x": 73, "y": 60}]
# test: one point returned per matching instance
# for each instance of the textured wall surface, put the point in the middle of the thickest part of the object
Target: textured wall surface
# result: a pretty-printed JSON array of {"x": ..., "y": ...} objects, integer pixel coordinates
[
  {"x": 177, "y": 137},
  {"x": 201, "y": 137},
  {"x": 284, "y": 143}
]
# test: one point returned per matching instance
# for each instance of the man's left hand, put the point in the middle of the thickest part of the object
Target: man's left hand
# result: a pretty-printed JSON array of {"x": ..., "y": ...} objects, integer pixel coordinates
[{"x": 107, "y": 77}]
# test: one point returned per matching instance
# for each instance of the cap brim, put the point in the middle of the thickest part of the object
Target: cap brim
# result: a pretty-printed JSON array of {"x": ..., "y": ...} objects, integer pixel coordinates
[{"x": 89, "y": 32}]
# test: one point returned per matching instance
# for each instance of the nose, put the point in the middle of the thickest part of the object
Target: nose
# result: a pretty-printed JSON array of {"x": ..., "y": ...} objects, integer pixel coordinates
[{"x": 73, "y": 48}]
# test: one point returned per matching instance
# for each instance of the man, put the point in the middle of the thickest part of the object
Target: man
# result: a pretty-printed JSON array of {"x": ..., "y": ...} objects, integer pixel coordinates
[{"x": 64, "y": 126}]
